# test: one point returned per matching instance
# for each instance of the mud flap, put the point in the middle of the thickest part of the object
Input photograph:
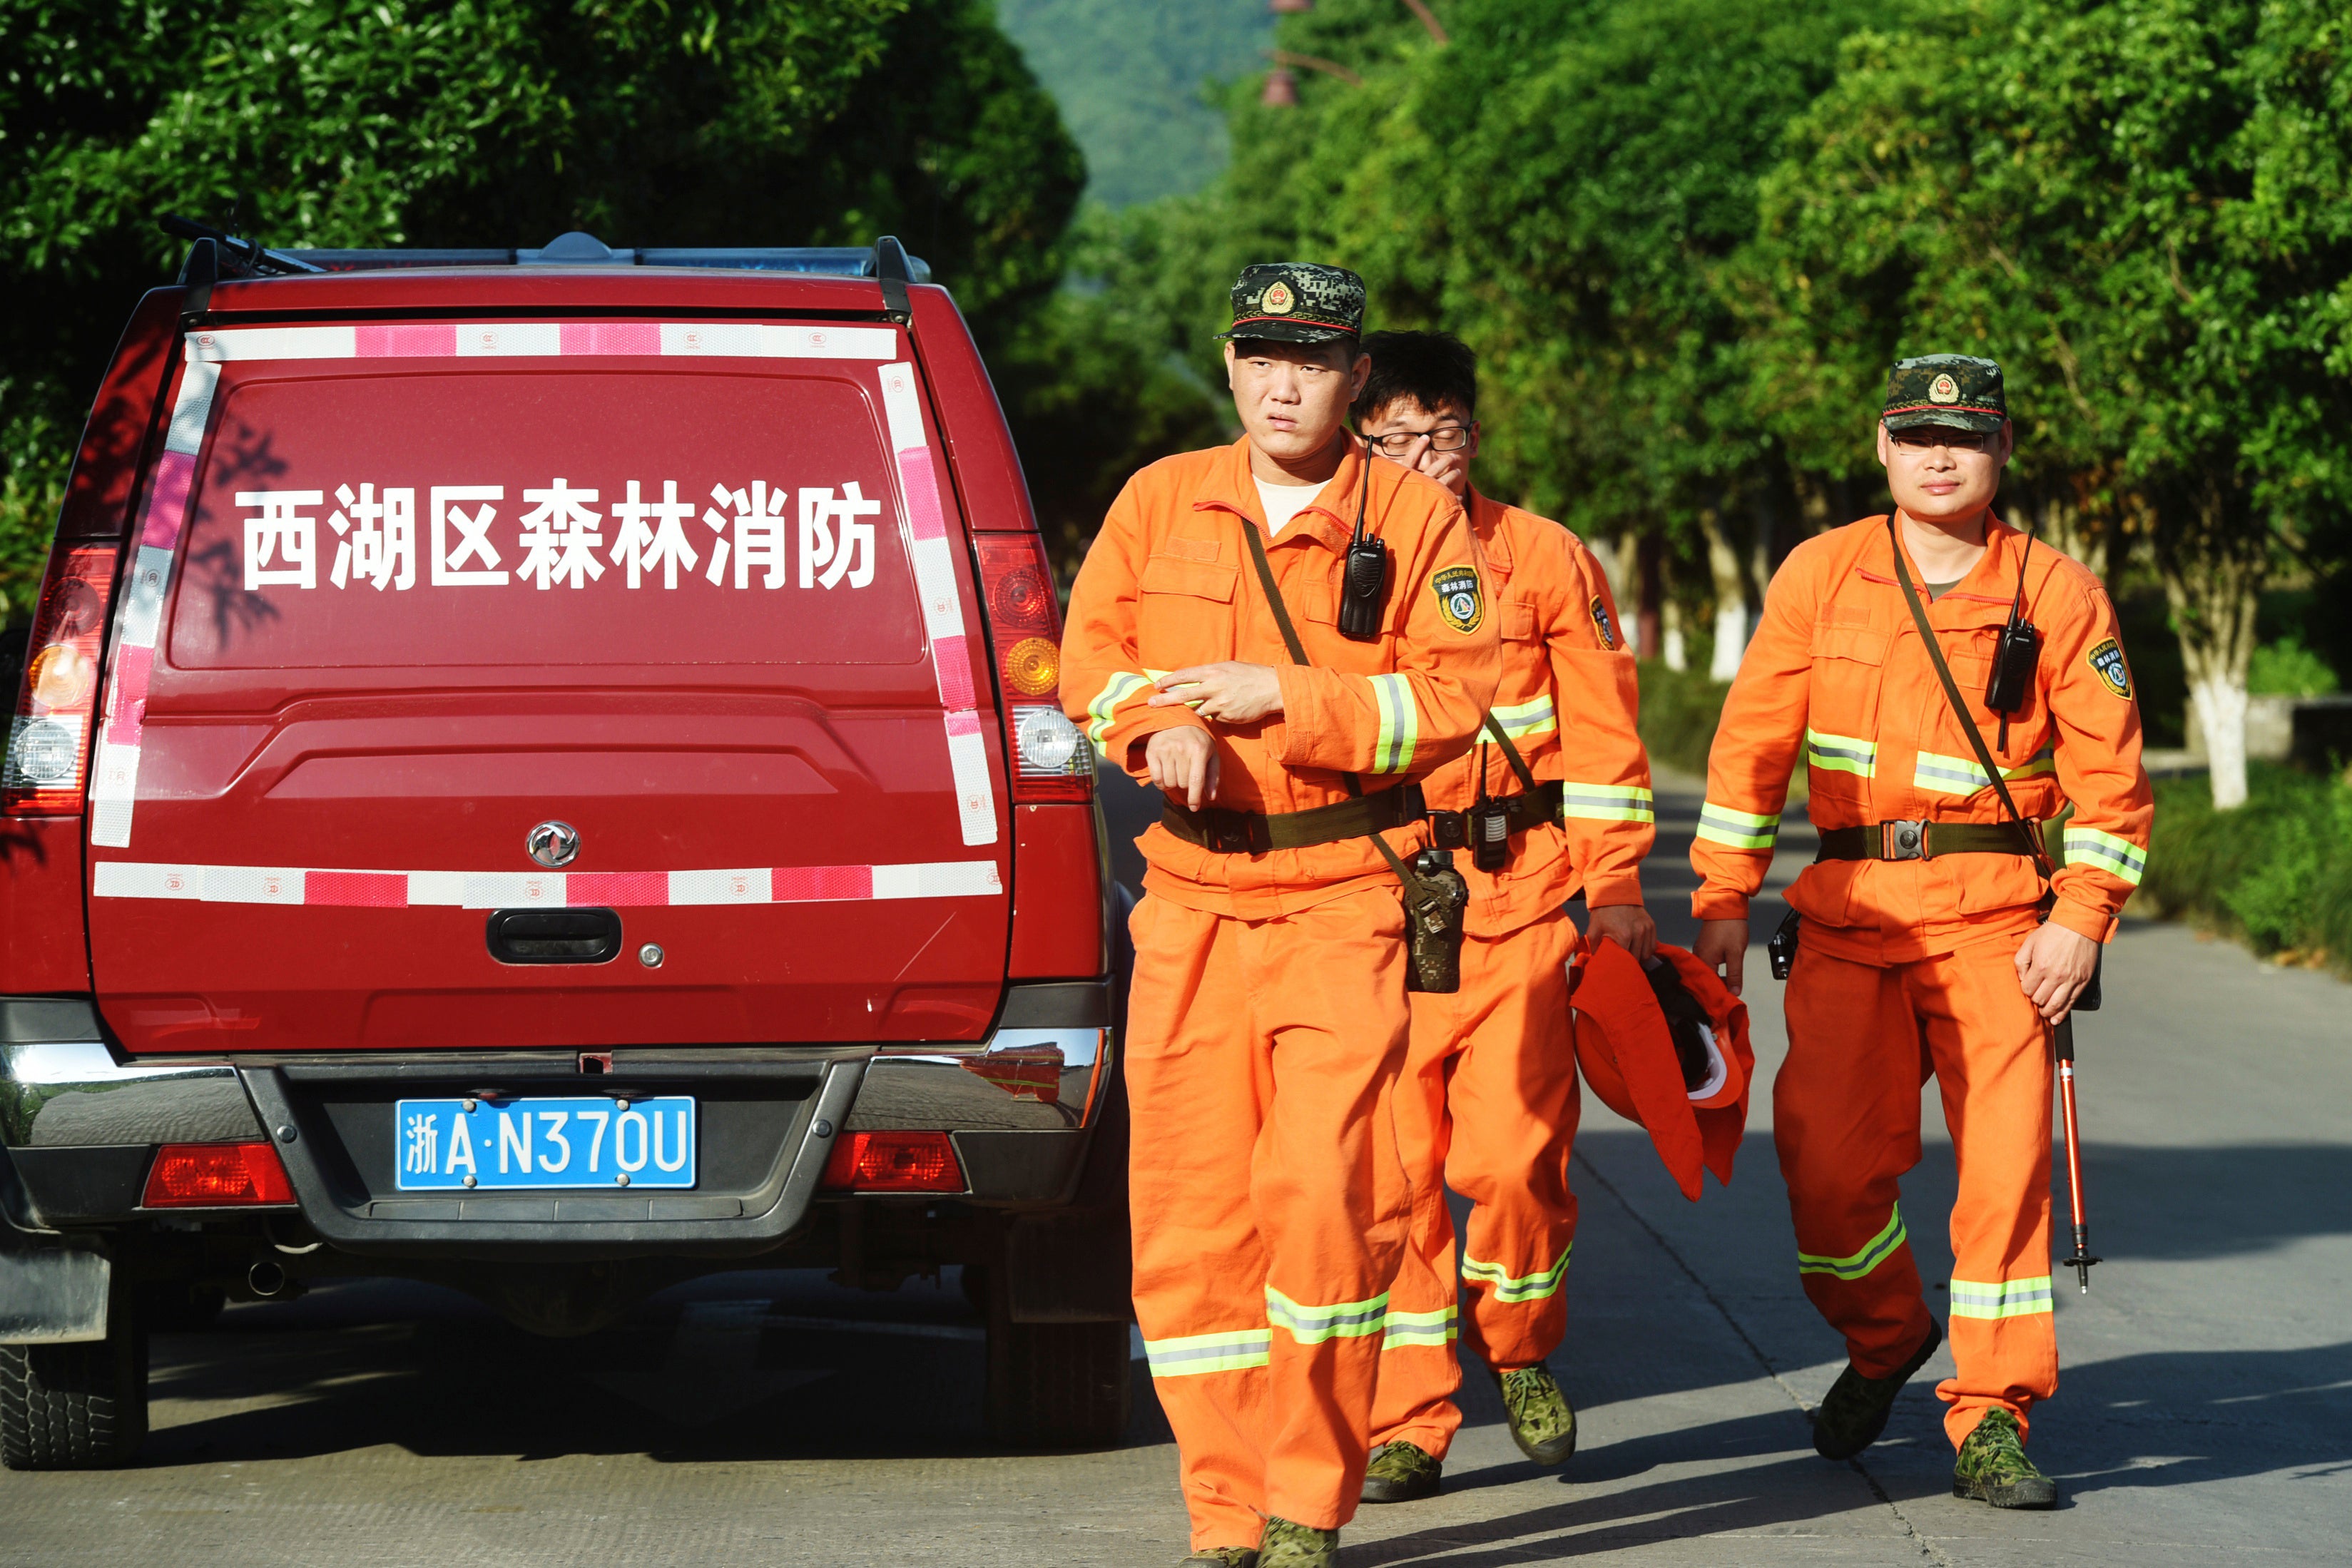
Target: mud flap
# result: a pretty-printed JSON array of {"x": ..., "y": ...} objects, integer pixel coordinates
[{"x": 51, "y": 1297}]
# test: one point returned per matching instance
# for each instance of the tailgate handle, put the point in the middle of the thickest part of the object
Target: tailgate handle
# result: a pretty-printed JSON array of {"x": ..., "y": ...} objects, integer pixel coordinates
[{"x": 555, "y": 936}]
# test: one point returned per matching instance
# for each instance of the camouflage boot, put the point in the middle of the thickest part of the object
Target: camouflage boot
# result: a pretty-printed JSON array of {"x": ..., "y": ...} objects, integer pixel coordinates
[
  {"x": 1288, "y": 1545},
  {"x": 1853, "y": 1413},
  {"x": 1543, "y": 1422},
  {"x": 1992, "y": 1465},
  {"x": 1401, "y": 1473},
  {"x": 1221, "y": 1557}
]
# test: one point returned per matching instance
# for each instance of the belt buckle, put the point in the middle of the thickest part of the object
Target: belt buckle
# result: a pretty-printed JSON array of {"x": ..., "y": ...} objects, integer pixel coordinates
[
  {"x": 1227, "y": 830},
  {"x": 1905, "y": 839}
]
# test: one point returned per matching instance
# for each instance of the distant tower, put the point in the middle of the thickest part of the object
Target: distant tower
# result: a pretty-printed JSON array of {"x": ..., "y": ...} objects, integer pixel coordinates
[
  {"x": 1289, "y": 7},
  {"x": 1281, "y": 84}
]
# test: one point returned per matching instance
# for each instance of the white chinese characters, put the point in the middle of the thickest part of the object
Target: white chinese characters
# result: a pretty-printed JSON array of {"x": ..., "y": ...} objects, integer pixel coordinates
[{"x": 762, "y": 537}]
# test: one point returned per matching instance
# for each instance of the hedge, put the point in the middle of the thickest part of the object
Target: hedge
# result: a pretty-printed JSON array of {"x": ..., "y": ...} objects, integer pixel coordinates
[{"x": 2277, "y": 873}]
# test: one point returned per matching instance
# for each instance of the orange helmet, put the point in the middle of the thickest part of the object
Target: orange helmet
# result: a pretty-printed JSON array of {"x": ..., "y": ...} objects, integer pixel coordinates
[{"x": 1668, "y": 1049}]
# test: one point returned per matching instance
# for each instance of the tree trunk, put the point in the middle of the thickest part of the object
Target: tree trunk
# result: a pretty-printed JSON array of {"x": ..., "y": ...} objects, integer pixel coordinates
[
  {"x": 2212, "y": 575},
  {"x": 2063, "y": 527},
  {"x": 1675, "y": 649},
  {"x": 1723, "y": 564},
  {"x": 1649, "y": 624}
]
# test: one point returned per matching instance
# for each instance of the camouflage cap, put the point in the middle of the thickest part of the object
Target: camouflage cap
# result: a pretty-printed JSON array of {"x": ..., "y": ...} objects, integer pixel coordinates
[
  {"x": 1946, "y": 389},
  {"x": 1297, "y": 302}
]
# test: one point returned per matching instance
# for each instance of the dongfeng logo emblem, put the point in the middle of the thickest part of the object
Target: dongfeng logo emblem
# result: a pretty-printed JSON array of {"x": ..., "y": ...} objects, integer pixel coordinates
[{"x": 553, "y": 844}]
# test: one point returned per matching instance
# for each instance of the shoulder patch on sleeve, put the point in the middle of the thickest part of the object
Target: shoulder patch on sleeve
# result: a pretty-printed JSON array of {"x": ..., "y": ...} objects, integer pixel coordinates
[
  {"x": 1602, "y": 627},
  {"x": 1459, "y": 599},
  {"x": 2106, "y": 656}
]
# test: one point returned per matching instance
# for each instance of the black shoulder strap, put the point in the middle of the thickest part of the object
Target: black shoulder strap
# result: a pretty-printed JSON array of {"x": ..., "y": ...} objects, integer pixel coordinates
[
  {"x": 1289, "y": 632},
  {"x": 1959, "y": 707},
  {"x": 1511, "y": 755}
]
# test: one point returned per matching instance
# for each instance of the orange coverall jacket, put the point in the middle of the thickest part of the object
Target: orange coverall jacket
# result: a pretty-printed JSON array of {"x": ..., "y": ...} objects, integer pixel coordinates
[
  {"x": 1169, "y": 584},
  {"x": 1567, "y": 699},
  {"x": 1837, "y": 674}
]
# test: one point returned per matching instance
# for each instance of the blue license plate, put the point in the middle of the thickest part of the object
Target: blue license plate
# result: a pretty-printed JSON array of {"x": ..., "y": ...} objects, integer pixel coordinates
[{"x": 506, "y": 1145}]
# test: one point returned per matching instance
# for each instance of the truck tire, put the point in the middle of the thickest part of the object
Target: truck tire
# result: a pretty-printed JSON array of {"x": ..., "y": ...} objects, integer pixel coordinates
[
  {"x": 1058, "y": 1385},
  {"x": 77, "y": 1407}
]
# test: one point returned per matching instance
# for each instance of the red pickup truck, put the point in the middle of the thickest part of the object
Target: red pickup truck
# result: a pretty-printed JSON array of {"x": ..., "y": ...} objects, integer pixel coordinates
[{"x": 542, "y": 771}]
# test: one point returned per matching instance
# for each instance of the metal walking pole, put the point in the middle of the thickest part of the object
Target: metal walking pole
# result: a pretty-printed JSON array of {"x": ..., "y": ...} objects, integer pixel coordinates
[{"x": 2062, "y": 1043}]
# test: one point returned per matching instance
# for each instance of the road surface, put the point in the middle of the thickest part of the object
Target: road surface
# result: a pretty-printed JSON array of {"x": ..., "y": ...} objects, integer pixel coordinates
[{"x": 772, "y": 1418}]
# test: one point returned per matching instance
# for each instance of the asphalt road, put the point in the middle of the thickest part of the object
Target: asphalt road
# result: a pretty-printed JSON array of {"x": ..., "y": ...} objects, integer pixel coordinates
[{"x": 772, "y": 1418}]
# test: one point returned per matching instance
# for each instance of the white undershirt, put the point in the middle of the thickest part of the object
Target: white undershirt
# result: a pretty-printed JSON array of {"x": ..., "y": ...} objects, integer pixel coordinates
[{"x": 1283, "y": 502}]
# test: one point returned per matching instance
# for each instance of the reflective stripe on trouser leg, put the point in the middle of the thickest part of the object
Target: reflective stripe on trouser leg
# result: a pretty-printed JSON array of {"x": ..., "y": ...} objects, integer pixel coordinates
[
  {"x": 1326, "y": 1186},
  {"x": 1418, "y": 1375},
  {"x": 1845, "y": 1123},
  {"x": 1991, "y": 1056},
  {"x": 1197, "y": 1254},
  {"x": 1514, "y": 1102}
]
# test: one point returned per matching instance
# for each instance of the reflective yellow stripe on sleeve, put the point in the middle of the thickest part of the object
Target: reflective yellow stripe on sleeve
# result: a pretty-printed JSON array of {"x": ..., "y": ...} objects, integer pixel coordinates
[
  {"x": 1737, "y": 829},
  {"x": 1122, "y": 685},
  {"x": 1400, "y": 723},
  {"x": 1607, "y": 803},
  {"x": 2116, "y": 856}
]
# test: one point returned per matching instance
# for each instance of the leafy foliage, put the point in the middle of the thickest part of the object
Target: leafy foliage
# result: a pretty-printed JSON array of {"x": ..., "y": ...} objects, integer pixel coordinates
[{"x": 364, "y": 122}]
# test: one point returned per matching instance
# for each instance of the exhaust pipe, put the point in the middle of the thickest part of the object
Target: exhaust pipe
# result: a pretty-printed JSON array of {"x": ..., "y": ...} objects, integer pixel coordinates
[{"x": 264, "y": 1279}]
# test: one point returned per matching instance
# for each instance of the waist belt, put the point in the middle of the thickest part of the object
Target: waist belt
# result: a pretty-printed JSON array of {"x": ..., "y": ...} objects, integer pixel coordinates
[
  {"x": 1226, "y": 832},
  {"x": 1451, "y": 829},
  {"x": 1914, "y": 839}
]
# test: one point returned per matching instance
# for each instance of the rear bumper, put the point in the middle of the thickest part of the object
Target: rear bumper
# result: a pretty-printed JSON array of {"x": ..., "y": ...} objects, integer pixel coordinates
[{"x": 80, "y": 1125}]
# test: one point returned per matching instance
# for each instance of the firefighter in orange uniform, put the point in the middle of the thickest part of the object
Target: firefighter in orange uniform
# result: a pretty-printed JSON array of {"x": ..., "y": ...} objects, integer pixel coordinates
[
  {"x": 1488, "y": 1101},
  {"x": 1931, "y": 939},
  {"x": 1268, "y": 1018}
]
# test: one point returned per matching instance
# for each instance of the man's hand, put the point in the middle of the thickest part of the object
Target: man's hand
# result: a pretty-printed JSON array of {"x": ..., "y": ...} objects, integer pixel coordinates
[
  {"x": 1183, "y": 759},
  {"x": 1722, "y": 946},
  {"x": 1230, "y": 693},
  {"x": 2053, "y": 964},
  {"x": 1628, "y": 925}
]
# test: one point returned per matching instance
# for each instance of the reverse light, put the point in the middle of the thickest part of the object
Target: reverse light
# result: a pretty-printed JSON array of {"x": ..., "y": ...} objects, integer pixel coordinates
[
  {"x": 893, "y": 1163},
  {"x": 49, "y": 739},
  {"x": 216, "y": 1176},
  {"x": 1051, "y": 760}
]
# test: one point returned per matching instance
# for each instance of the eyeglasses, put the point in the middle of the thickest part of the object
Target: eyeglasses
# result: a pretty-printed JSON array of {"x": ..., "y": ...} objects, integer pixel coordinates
[
  {"x": 1928, "y": 437},
  {"x": 1398, "y": 443}
]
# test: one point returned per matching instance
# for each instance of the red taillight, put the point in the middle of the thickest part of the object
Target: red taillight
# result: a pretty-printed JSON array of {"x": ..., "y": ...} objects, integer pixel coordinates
[
  {"x": 1051, "y": 760},
  {"x": 216, "y": 1175},
  {"x": 48, "y": 744},
  {"x": 894, "y": 1162}
]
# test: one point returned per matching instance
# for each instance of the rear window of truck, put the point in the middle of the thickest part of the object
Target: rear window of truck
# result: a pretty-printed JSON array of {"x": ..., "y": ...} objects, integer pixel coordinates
[{"x": 410, "y": 512}]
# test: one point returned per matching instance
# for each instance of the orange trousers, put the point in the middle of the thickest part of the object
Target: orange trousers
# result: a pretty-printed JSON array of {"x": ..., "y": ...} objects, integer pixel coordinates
[
  {"x": 1487, "y": 1105},
  {"x": 1845, "y": 1120},
  {"x": 1267, "y": 1198}
]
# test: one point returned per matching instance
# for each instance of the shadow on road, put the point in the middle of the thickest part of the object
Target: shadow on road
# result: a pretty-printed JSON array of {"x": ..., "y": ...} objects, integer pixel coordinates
[{"x": 746, "y": 1366}]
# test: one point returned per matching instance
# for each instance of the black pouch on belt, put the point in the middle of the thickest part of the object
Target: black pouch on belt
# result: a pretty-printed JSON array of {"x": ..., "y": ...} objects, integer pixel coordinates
[
  {"x": 1435, "y": 899},
  {"x": 1435, "y": 896}
]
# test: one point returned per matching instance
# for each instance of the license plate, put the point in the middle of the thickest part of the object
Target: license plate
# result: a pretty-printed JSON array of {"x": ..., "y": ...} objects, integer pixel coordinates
[{"x": 508, "y": 1144}]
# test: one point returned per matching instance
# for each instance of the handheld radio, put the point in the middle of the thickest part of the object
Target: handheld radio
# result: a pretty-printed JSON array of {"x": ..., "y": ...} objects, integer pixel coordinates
[
  {"x": 2015, "y": 656},
  {"x": 1364, "y": 576}
]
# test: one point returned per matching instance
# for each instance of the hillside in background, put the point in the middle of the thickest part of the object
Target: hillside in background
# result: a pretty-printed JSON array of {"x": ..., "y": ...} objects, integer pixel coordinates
[{"x": 1128, "y": 75}]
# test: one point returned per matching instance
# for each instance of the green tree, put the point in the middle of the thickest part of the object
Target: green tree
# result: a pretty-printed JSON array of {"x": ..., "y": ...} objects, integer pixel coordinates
[
  {"x": 2116, "y": 201},
  {"x": 360, "y": 122}
]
